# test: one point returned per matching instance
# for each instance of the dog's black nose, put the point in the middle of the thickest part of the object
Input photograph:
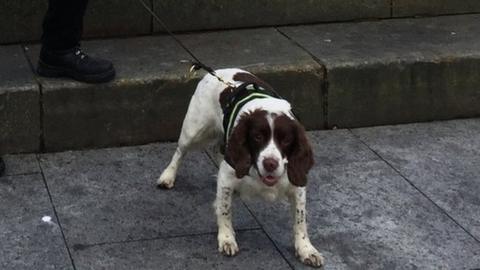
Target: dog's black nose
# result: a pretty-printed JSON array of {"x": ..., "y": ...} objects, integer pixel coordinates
[{"x": 270, "y": 164}]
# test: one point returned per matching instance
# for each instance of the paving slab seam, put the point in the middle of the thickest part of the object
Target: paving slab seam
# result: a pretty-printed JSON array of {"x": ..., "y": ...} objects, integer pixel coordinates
[
  {"x": 423, "y": 16},
  {"x": 85, "y": 246},
  {"x": 55, "y": 212},
  {"x": 268, "y": 236},
  {"x": 42, "y": 118},
  {"x": 324, "y": 82},
  {"x": 40, "y": 100},
  {"x": 391, "y": 8},
  {"x": 415, "y": 187},
  {"x": 315, "y": 58},
  {"x": 324, "y": 93},
  {"x": 20, "y": 174},
  {"x": 212, "y": 159},
  {"x": 152, "y": 23}
]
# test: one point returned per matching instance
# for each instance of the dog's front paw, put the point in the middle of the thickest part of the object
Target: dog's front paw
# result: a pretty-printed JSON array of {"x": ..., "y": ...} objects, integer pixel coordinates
[
  {"x": 227, "y": 245},
  {"x": 309, "y": 255},
  {"x": 228, "y": 248},
  {"x": 166, "y": 180}
]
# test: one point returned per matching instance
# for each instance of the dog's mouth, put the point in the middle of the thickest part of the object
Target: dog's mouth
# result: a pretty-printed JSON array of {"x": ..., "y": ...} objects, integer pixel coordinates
[{"x": 269, "y": 180}]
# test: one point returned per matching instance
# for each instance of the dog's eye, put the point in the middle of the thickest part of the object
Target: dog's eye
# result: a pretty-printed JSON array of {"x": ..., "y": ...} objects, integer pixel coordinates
[
  {"x": 287, "y": 141},
  {"x": 258, "y": 137}
]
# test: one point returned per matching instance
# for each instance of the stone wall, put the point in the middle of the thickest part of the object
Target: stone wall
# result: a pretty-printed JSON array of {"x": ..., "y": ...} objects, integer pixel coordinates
[{"x": 20, "y": 21}]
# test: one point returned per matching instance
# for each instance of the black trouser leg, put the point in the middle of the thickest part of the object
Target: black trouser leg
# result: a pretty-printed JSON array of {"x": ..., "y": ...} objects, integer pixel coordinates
[{"x": 63, "y": 24}]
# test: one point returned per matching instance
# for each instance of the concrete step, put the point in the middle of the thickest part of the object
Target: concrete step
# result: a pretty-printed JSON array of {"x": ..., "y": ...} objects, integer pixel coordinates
[
  {"x": 336, "y": 75},
  {"x": 21, "y": 20}
]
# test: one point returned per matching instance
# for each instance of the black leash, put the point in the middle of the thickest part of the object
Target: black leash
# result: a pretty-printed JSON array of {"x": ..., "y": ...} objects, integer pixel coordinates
[
  {"x": 198, "y": 64},
  {"x": 195, "y": 65}
]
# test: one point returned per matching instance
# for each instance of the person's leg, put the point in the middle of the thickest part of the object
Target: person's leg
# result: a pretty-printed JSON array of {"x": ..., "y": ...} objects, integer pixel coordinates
[
  {"x": 61, "y": 55},
  {"x": 63, "y": 24}
]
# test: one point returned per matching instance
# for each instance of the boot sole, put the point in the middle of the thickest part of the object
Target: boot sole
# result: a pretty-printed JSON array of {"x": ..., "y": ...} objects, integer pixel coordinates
[{"x": 49, "y": 71}]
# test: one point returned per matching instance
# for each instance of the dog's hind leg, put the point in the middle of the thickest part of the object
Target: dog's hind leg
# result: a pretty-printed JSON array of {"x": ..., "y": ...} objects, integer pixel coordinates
[
  {"x": 167, "y": 178},
  {"x": 198, "y": 130}
]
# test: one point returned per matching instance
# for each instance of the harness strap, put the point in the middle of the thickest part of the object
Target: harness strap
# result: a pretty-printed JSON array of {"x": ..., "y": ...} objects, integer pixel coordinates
[{"x": 238, "y": 98}]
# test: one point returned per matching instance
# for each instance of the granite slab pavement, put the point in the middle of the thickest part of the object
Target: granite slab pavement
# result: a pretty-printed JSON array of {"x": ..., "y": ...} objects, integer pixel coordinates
[
  {"x": 30, "y": 236},
  {"x": 363, "y": 215},
  {"x": 392, "y": 197},
  {"x": 442, "y": 159}
]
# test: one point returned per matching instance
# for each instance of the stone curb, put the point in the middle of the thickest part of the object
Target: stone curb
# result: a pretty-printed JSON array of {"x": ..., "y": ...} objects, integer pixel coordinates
[
  {"x": 397, "y": 71},
  {"x": 336, "y": 75}
]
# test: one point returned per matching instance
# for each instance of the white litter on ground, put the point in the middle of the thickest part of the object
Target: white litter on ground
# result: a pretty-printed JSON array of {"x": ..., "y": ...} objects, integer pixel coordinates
[{"x": 47, "y": 219}]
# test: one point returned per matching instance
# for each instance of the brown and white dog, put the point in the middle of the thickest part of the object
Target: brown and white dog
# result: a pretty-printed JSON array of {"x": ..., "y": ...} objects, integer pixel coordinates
[{"x": 267, "y": 154}]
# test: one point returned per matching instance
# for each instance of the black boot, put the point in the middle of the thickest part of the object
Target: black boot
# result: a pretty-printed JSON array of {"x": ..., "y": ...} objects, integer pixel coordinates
[
  {"x": 2, "y": 166},
  {"x": 75, "y": 64}
]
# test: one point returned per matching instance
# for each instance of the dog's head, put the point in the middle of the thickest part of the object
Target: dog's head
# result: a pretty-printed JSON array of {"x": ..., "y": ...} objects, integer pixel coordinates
[{"x": 273, "y": 144}]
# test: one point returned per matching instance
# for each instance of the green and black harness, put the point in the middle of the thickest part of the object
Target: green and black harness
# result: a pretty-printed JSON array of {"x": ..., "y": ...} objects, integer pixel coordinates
[{"x": 240, "y": 96}]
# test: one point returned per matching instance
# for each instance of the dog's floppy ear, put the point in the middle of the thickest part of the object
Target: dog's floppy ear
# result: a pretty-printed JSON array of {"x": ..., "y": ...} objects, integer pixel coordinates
[
  {"x": 300, "y": 160},
  {"x": 237, "y": 152}
]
